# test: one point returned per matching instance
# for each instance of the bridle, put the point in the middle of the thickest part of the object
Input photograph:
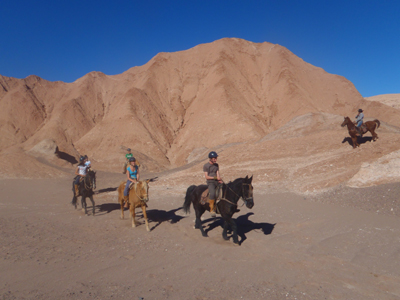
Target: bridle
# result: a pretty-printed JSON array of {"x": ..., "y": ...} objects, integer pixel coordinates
[
  {"x": 245, "y": 199},
  {"x": 92, "y": 182},
  {"x": 144, "y": 198}
]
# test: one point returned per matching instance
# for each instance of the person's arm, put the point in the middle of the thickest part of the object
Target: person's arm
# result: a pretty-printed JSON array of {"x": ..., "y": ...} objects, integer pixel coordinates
[
  {"x": 127, "y": 174},
  {"x": 219, "y": 177},
  {"x": 212, "y": 177},
  {"x": 77, "y": 171},
  {"x": 137, "y": 174}
]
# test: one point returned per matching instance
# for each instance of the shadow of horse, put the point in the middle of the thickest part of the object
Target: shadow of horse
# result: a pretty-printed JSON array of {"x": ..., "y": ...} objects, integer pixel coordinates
[
  {"x": 360, "y": 140},
  {"x": 106, "y": 190},
  {"x": 106, "y": 208},
  {"x": 160, "y": 216},
  {"x": 244, "y": 226}
]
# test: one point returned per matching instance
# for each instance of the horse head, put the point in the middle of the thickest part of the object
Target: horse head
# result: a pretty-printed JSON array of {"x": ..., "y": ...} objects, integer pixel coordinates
[
  {"x": 346, "y": 121},
  {"x": 247, "y": 192},
  {"x": 142, "y": 190}
]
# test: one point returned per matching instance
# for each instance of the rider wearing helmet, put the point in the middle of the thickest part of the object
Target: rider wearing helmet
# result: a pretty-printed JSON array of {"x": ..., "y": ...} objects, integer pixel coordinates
[
  {"x": 132, "y": 173},
  {"x": 359, "y": 120},
  {"x": 211, "y": 173},
  {"x": 80, "y": 172}
]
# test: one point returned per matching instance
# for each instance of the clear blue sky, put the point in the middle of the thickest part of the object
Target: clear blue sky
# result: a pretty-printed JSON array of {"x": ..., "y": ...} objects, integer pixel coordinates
[{"x": 64, "y": 40}]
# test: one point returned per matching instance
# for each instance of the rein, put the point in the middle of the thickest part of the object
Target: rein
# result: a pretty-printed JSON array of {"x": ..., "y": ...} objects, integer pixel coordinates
[
  {"x": 89, "y": 186},
  {"x": 140, "y": 198},
  {"x": 244, "y": 200}
]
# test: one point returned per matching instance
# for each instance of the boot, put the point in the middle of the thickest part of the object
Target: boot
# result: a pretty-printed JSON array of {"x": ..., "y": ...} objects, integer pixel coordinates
[
  {"x": 359, "y": 131},
  {"x": 76, "y": 190},
  {"x": 126, "y": 199},
  {"x": 212, "y": 208}
]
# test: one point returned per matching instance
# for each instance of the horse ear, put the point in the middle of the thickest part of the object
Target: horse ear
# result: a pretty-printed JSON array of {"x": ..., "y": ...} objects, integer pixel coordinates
[
  {"x": 251, "y": 178},
  {"x": 247, "y": 177}
]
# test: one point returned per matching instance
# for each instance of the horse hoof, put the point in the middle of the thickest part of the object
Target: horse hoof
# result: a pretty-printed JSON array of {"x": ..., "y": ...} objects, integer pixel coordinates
[
  {"x": 148, "y": 229},
  {"x": 236, "y": 244}
]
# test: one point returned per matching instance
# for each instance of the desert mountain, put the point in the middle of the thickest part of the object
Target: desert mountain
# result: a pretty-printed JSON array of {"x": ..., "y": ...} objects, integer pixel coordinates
[{"x": 250, "y": 100}]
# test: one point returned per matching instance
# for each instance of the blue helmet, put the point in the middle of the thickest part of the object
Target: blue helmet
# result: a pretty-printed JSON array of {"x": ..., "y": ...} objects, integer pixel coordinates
[
  {"x": 81, "y": 159},
  {"x": 212, "y": 154}
]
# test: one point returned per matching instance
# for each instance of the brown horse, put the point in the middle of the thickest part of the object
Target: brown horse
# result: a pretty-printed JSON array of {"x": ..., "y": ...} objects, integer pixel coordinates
[
  {"x": 365, "y": 127},
  {"x": 138, "y": 197}
]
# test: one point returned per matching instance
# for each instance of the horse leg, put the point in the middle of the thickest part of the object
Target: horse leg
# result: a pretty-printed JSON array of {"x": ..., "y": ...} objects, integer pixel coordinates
[
  {"x": 145, "y": 216},
  {"x": 354, "y": 140},
  {"x": 132, "y": 212},
  {"x": 121, "y": 203},
  {"x": 197, "y": 224},
  {"x": 84, "y": 208},
  {"x": 374, "y": 135},
  {"x": 93, "y": 205},
  {"x": 225, "y": 231},
  {"x": 234, "y": 229},
  {"x": 230, "y": 222}
]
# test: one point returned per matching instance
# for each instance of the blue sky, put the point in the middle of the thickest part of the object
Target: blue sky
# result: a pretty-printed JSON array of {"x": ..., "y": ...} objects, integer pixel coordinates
[{"x": 64, "y": 40}]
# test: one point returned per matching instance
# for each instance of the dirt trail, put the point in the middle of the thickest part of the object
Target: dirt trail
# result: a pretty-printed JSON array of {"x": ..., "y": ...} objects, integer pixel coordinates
[{"x": 292, "y": 247}]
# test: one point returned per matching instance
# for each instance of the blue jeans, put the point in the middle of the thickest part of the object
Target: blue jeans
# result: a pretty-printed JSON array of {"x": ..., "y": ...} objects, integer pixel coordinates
[
  {"x": 126, "y": 191},
  {"x": 359, "y": 123},
  {"x": 77, "y": 178}
]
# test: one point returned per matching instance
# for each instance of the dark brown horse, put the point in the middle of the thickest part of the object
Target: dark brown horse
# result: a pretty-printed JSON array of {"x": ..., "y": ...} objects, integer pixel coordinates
[
  {"x": 227, "y": 206},
  {"x": 365, "y": 127},
  {"x": 86, "y": 190}
]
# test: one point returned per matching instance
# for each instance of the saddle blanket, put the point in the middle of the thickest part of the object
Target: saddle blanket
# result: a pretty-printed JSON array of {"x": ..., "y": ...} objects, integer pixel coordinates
[{"x": 204, "y": 196}]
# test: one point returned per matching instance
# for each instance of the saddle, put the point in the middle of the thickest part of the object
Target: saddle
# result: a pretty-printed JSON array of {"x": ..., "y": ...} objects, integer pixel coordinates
[
  {"x": 204, "y": 196},
  {"x": 131, "y": 185},
  {"x": 363, "y": 128}
]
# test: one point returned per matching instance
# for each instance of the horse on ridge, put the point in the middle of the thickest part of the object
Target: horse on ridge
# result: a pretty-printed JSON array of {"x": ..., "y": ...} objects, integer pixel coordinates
[{"x": 370, "y": 126}]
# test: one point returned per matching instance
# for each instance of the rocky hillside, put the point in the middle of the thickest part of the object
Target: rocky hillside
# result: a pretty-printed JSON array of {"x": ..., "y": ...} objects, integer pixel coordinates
[{"x": 177, "y": 107}]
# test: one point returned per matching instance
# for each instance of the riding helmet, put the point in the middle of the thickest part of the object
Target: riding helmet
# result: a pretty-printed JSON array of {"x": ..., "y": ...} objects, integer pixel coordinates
[
  {"x": 132, "y": 159},
  {"x": 129, "y": 149},
  {"x": 212, "y": 154},
  {"x": 82, "y": 158},
  {"x": 360, "y": 110}
]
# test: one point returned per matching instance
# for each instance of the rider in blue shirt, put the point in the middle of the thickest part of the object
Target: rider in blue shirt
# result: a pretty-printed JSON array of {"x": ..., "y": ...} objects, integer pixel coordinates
[
  {"x": 132, "y": 173},
  {"x": 359, "y": 120}
]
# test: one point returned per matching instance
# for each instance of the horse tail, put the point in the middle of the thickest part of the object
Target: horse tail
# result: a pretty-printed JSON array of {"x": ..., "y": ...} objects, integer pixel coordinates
[
  {"x": 377, "y": 122},
  {"x": 188, "y": 199},
  {"x": 74, "y": 199}
]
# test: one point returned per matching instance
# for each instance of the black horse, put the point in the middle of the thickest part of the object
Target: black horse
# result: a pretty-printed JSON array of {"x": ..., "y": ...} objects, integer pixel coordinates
[
  {"x": 86, "y": 189},
  {"x": 227, "y": 206}
]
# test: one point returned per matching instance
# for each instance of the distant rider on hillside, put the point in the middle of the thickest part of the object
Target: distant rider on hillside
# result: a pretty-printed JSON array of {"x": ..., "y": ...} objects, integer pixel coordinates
[
  {"x": 359, "y": 121},
  {"x": 127, "y": 157},
  {"x": 211, "y": 173}
]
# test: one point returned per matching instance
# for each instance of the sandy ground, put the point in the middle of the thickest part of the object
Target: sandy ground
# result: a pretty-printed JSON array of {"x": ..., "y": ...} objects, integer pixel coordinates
[{"x": 343, "y": 244}]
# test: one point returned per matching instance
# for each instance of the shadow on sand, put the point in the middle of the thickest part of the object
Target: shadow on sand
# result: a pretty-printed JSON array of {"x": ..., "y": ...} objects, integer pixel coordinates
[
  {"x": 360, "y": 140},
  {"x": 106, "y": 190},
  {"x": 244, "y": 225},
  {"x": 154, "y": 215}
]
